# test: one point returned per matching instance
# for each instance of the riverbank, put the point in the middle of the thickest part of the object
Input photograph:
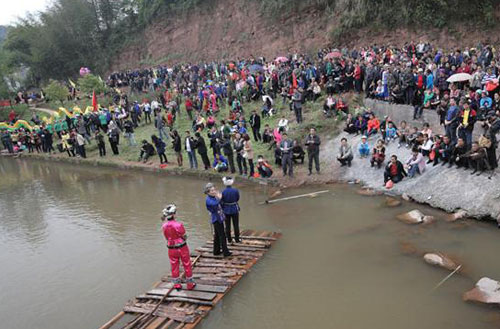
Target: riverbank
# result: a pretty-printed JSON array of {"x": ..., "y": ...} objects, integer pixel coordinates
[
  {"x": 449, "y": 189},
  {"x": 440, "y": 187},
  {"x": 444, "y": 188},
  {"x": 173, "y": 170}
]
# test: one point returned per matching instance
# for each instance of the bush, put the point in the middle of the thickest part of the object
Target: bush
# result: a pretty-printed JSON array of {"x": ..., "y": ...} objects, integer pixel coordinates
[
  {"x": 90, "y": 83},
  {"x": 56, "y": 91}
]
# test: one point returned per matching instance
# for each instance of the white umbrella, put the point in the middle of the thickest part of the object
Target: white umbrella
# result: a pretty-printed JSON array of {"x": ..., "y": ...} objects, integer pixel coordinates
[{"x": 460, "y": 77}]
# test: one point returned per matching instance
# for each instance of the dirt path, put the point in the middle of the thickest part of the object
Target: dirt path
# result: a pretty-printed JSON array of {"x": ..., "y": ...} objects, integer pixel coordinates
[{"x": 48, "y": 111}]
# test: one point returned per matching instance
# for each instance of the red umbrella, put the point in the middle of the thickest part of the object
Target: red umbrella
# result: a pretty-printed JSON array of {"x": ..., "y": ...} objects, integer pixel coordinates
[
  {"x": 333, "y": 54},
  {"x": 492, "y": 85}
]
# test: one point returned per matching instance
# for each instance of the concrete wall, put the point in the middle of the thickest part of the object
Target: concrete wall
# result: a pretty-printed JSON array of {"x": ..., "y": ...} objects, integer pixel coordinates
[{"x": 398, "y": 112}]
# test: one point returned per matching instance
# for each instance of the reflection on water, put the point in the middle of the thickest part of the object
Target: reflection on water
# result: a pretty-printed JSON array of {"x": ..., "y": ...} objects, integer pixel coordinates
[{"x": 77, "y": 242}]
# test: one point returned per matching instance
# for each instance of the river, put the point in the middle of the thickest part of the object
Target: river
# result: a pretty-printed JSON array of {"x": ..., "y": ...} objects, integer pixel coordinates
[{"x": 77, "y": 242}]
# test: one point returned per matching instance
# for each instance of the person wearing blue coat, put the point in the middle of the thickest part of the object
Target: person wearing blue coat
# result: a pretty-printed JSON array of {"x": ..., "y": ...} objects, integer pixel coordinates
[
  {"x": 231, "y": 208},
  {"x": 213, "y": 204},
  {"x": 364, "y": 148}
]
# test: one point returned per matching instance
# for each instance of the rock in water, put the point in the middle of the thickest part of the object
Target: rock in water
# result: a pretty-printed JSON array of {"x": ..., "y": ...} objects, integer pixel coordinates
[
  {"x": 428, "y": 219},
  {"x": 457, "y": 215},
  {"x": 415, "y": 217},
  {"x": 392, "y": 202},
  {"x": 275, "y": 194},
  {"x": 368, "y": 192},
  {"x": 412, "y": 217},
  {"x": 440, "y": 259},
  {"x": 486, "y": 291}
]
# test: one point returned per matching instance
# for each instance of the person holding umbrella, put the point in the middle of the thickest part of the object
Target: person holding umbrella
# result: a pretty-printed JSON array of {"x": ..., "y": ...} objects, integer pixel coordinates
[{"x": 213, "y": 205}]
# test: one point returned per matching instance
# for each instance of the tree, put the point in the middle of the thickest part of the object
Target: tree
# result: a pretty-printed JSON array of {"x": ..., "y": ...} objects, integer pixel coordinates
[
  {"x": 56, "y": 91},
  {"x": 91, "y": 83}
]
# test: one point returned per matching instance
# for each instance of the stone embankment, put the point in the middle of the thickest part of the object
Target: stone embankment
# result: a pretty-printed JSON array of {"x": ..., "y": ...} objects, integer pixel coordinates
[{"x": 450, "y": 189}]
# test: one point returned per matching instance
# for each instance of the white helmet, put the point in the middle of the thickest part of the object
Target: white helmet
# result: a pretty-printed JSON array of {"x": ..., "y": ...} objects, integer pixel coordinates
[
  {"x": 169, "y": 210},
  {"x": 227, "y": 180}
]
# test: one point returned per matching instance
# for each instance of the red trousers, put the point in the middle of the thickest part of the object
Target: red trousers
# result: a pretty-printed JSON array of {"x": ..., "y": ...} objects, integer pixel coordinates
[{"x": 178, "y": 255}]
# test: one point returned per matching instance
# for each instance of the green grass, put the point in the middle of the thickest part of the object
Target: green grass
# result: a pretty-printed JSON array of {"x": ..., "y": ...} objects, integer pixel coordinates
[{"x": 312, "y": 112}]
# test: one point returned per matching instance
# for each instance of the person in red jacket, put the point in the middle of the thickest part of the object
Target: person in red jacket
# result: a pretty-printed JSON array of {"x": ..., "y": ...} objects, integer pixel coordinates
[
  {"x": 189, "y": 107},
  {"x": 178, "y": 250},
  {"x": 373, "y": 126}
]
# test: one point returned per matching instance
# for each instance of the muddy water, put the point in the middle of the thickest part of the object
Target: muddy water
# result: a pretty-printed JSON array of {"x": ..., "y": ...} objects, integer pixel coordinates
[{"x": 77, "y": 242}]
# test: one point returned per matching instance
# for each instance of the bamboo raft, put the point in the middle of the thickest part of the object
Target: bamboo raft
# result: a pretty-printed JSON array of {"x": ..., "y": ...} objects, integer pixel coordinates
[{"x": 163, "y": 307}]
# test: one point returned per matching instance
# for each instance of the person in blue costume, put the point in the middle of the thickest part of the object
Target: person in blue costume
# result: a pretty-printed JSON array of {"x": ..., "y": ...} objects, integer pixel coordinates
[
  {"x": 231, "y": 208},
  {"x": 213, "y": 204}
]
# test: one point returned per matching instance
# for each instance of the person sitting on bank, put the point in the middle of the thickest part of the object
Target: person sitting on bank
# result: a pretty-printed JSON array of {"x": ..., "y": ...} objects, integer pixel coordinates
[
  {"x": 403, "y": 133},
  {"x": 426, "y": 147},
  {"x": 298, "y": 153},
  {"x": 364, "y": 148},
  {"x": 263, "y": 167},
  {"x": 373, "y": 126},
  {"x": 220, "y": 163},
  {"x": 415, "y": 164},
  {"x": 394, "y": 171},
  {"x": 443, "y": 151},
  {"x": 360, "y": 124},
  {"x": 350, "y": 121},
  {"x": 477, "y": 158},
  {"x": 345, "y": 153},
  {"x": 457, "y": 155},
  {"x": 147, "y": 150},
  {"x": 378, "y": 155}
]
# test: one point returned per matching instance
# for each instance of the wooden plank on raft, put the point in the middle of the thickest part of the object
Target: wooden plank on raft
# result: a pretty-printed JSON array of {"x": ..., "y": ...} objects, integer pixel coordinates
[
  {"x": 174, "y": 299},
  {"x": 254, "y": 254},
  {"x": 240, "y": 248},
  {"x": 258, "y": 244},
  {"x": 162, "y": 311},
  {"x": 162, "y": 289},
  {"x": 192, "y": 294},
  {"x": 163, "y": 307},
  {"x": 221, "y": 266},
  {"x": 248, "y": 237}
]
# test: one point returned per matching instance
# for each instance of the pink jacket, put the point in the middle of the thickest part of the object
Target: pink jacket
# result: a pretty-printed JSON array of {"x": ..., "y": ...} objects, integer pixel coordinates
[
  {"x": 277, "y": 136},
  {"x": 174, "y": 232}
]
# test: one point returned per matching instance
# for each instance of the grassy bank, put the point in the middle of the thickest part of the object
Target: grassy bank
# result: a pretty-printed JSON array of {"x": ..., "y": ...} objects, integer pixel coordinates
[{"x": 312, "y": 112}]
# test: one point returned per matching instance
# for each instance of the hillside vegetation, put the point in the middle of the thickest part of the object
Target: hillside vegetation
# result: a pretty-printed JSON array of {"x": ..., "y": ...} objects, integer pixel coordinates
[{"x": 70, "y": 34}]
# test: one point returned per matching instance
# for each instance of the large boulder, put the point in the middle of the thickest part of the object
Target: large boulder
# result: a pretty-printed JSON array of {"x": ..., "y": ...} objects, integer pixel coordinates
[
  {"x": 486, "y": 291},
  {"x": 439, "y": 259},
  {"x": 415, "y": 217}
]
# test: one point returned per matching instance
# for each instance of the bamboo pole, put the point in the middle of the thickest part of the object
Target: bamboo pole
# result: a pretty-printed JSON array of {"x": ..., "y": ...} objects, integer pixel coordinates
[
  {"x": 294, "y": 197},
  {"x": 447, "y": 277}
]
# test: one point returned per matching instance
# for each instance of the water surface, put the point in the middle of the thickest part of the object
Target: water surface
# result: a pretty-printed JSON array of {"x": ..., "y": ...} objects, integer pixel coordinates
[{"x": 77, "y": 242}]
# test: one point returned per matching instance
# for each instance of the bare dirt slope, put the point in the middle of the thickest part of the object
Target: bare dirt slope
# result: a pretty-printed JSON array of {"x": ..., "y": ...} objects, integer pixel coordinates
[{"x": 238, "y": 28}]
